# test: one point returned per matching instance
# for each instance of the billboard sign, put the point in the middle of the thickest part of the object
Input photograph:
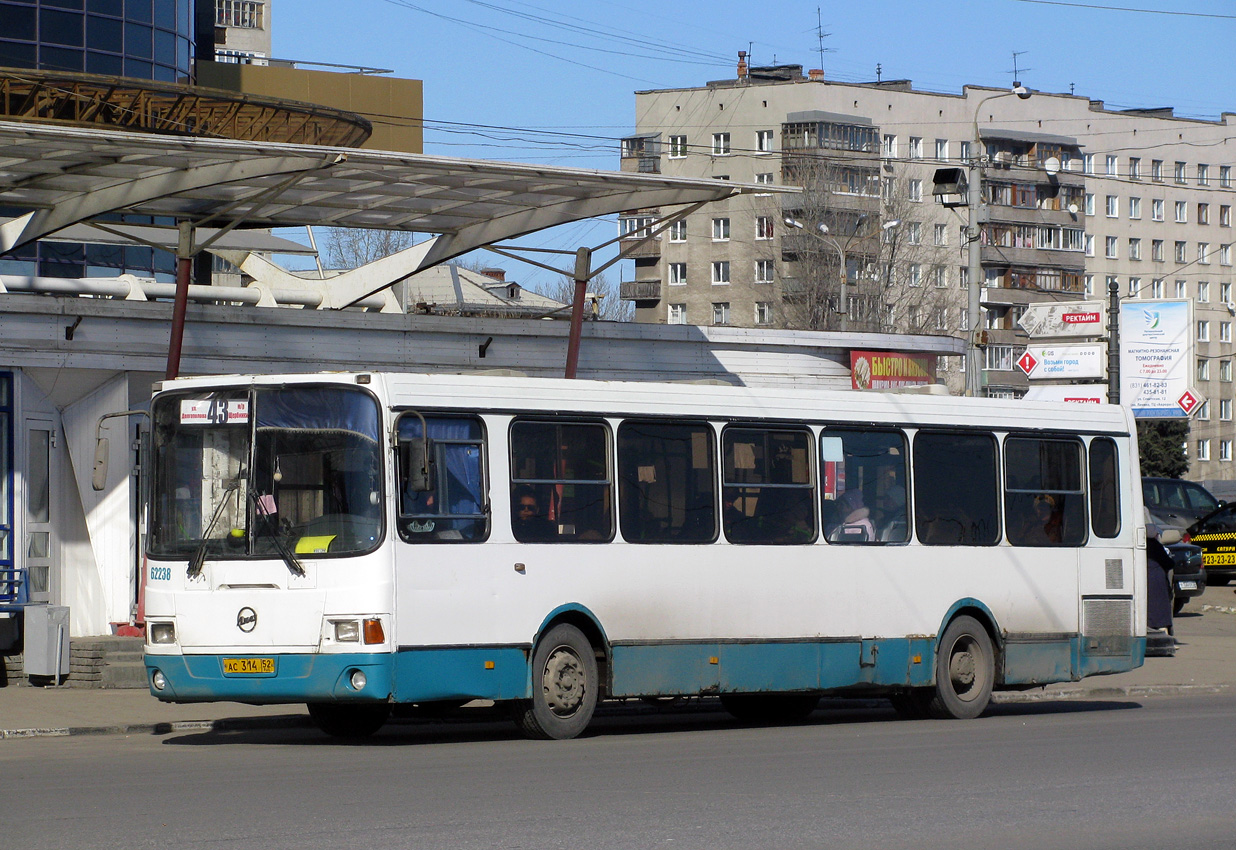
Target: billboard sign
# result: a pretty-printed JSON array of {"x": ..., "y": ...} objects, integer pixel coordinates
[
  {"x": 1044, "y": 362},
  {"x": 1156, "y": 357},
  {"x": 1081, "y": 393},
  {"x": 887, "y": 370},
  {"x": 1072, "y": 319}
]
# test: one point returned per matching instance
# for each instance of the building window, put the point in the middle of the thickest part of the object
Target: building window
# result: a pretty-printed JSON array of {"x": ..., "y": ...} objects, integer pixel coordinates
[
  {"x": 1203, "y": 213},
  {"x": 763, "y": 227},
  {"x": 1203, "y": 291},
  {"x": 1112, "y": 242},
  {"x": 1180, "y": 172},
  {"x": 938, "y": 277},
  {"x": 246, "y": 14},
  {"x": 720, "y": 144},
  {"x": 1135, "y": 208},
  {"x": 1203, "y": 449},
  {"x": 1225, "y": 450},
  {"x": 677, "y": 147},
  {"x": 1135, "y": 168},
  {"x": 1088, "y": 163},
  {"x": 1225, "y": 292},
  {"x": 1089, "y": 203},
  {"x": 1203, "y": 174},
  {"x": 764, "y": 141},
  {"x": 721, "y": 313},
  {"x": 1181, "y": 252},
  {"x": 677, "y": 314},
  {"x": 1225, "y": 176},
  {"x": 890, "y": 147},
  {"x": 1135, "y": 248},
  {"x": 1112, "y": 170},
  {"x": 963, "y": 151},
  {"x": 942, "y": 150},
  {"x": 720, "y": 230},
  {"x": 1113, "y": 206},
  {"x": 916, "y": 274},
  {"x": 1225, "y": 255},
  {"x": 999, "y": 358},
  {"x": 1088, "y": 244},
  {"x": 1182, "y": 289},
  {"x": 678, "y": 274},
  {"x": 914, "y": 233},
  {"x": 1203, "y": 411},
  {"x": 941, "y": 234},
  {"x": 1203, "y": 253},
  {"x": 916, "y": 147},
  {"x": 763, "y": 312},
  {"x": 678, "y": 231},
  {"x": 764, "y": 177},
  {"x": 916, "y": 190},
  {"x": 1225, "y": 371},
  {"x": 1156, "y": 250},
  {"x": 1156, "y": 170},
  {"x": 1088, "y": 284},
  {"x": 1203, "y": 370},
  {"x": 1225, "y": 409},
  {"x": 1203, "y": 335},
  {"x": 763, "y": 271},
  {"x": 1156, "y": 287},
  {"x": 720, "y": 272},
  {"x": 1225, "y": 215},
  {"x": 1156, "y": 209}
]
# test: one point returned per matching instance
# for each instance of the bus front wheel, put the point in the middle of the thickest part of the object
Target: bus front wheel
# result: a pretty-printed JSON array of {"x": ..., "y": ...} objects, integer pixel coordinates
[
  {"x": 965, "y": 671},
  {"x": 349, "y": 720},
  {"x": 564, "y": 686}
]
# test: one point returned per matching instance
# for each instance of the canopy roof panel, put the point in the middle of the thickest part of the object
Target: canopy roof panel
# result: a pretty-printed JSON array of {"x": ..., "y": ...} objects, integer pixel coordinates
[{"x": 66, "y": 175}]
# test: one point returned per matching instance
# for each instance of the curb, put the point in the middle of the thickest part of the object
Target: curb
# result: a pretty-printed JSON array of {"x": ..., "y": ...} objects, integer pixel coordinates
[
  {"x": 291, "y": 721},
  {"x": 228, "y": 724}
]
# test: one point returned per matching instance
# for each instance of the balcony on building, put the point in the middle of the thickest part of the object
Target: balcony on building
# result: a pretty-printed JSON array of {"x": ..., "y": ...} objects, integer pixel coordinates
[
  {"x": 640, "y": 290},
  {"x": 634, "y": 226},
  {"x": 642, "y": 153}
]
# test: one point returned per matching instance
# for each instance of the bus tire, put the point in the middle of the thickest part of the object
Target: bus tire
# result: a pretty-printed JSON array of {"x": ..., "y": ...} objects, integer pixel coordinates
[
  {"x": 770, "y": 708},
  {"x": 564, "y": 686},
  {"x": 965, "y": 671},
  {"x": 349, "y": 720}
]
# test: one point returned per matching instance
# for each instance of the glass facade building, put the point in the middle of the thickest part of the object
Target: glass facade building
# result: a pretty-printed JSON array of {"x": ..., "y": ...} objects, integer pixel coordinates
[
  {"x": 147, "y": 39},
  {"x": 143, "y": 39}
]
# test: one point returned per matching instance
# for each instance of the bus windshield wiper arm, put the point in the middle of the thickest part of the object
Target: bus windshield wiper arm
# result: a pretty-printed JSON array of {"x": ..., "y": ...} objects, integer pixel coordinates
[
  {"x": 199, "y": 555},
  {"x": 288, "y": 556}
]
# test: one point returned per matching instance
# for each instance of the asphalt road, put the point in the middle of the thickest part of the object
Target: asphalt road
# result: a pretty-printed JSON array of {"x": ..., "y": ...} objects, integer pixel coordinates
[{"x": 1156, "y": 773}]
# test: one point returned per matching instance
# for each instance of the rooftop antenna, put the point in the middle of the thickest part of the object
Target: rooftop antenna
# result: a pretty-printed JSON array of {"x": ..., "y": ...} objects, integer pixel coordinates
[
  {"x": 879, "y": 70},
  {"x": 821, "y": 35},
  {"x": 750, "y": 52},
  {"x": 1016, "y": 75}
]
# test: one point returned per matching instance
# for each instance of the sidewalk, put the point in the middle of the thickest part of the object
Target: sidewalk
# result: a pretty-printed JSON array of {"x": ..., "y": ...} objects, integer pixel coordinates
[{"x": 1205, "y": 662}]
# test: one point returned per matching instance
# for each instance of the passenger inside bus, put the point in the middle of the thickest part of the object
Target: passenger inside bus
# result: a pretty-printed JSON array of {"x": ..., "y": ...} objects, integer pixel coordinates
[
  {"x": 528, "y": 521},
  {"x": 852, "y": 519}
]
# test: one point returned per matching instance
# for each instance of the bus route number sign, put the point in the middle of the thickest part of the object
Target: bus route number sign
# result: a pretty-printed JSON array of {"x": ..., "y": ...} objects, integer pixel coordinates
[{"x": 214, "y": 411}]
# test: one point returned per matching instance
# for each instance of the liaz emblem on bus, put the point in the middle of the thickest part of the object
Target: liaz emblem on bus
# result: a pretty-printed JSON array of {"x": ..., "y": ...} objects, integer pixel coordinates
[{"x": 214, "y": 411}]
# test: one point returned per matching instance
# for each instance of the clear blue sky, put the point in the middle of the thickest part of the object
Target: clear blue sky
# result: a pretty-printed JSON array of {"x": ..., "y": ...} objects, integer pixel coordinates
[{"x": 552, "y": 81}]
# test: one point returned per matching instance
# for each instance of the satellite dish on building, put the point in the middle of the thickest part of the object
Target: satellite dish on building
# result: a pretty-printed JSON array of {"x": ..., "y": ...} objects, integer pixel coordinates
[{"x": 1051, "y": 165}]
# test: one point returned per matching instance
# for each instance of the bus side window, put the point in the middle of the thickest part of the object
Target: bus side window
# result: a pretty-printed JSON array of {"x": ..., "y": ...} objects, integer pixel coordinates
[
  {"x": 457, "y": 508},
  {"x": 1044, "y": 501},
  {"x": 864, "y": 475},
  {"x": 667, "y": 489},
  {"x": 1104, "y": 488},
  {"x": 561, "y": 471},
  {"x": 769, "y": 492},
  {"x": 955, "y": 489}
]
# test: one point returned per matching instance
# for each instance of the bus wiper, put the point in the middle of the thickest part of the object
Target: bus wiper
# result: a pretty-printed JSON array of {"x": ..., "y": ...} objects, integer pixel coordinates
[
  {"x": 199, "y": 555},
  {"x": 281, "y": 545}
]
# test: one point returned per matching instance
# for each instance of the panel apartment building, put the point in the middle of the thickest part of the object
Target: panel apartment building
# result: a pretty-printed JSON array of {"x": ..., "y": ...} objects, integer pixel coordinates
[{"x": 1075, "y": 196}]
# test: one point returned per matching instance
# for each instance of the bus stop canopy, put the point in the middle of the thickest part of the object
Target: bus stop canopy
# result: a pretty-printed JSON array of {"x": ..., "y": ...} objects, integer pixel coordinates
[{"x": 68, "y": 175}]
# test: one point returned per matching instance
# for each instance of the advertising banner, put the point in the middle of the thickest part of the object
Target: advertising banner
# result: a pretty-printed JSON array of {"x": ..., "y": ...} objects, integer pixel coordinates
[
  {"x": 885, "y": 370},
  {"x": 1079, "y": 393},
  {"x": 1156, "y": 357},
  {"x": 1072, "y": 318},
  {"x": 1064, "y": 361}
]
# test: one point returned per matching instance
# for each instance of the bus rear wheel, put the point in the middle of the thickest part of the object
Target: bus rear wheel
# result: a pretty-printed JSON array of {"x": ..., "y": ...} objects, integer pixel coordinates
[
  {"x": 965, "y": 671},
  {"x": 349, "y": 720},
  {"x": 564, "y": 686},
  {"x": 770, "y": 708}
]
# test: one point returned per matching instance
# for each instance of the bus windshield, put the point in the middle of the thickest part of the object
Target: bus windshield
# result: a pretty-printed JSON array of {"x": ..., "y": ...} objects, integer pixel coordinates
[{"x": 287, "y": 472}]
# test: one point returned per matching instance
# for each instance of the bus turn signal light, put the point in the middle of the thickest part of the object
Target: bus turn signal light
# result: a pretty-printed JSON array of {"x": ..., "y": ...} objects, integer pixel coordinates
[{"x": 373, "y": 631}]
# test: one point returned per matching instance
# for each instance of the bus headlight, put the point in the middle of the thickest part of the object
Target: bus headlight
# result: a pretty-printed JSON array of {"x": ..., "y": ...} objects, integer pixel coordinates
[
  {"x": 358, "y": 680},
  {"x": 162, "y": 633},
  {"x": 158, "y": 680},
  {"x": 346, "y": 631}
]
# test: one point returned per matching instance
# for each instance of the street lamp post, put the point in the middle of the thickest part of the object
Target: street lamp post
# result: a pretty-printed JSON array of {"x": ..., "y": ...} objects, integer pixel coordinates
[
  {"x": 976, "y": 218},
  {"x": 843, "y": 305}
]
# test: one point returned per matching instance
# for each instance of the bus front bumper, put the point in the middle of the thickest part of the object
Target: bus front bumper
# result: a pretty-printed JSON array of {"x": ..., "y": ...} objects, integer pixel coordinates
[{"x": 272, "y": 679}]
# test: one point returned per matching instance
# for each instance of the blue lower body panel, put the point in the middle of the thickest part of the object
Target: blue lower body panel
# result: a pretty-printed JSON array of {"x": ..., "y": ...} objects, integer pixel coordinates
[
  {"x": 426, "y": 674},
  {"x": 296, "y": 678}
]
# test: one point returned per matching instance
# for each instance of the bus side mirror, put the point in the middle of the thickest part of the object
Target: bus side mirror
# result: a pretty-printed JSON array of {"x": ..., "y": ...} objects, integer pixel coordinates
[
  {"x": 98, "y": 479},
  {"x": 416, "y": 458}
]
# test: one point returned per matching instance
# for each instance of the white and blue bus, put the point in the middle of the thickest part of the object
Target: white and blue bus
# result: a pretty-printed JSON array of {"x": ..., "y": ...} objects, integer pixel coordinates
[{"x": 361, "y": 541}]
